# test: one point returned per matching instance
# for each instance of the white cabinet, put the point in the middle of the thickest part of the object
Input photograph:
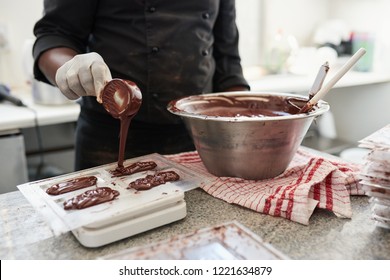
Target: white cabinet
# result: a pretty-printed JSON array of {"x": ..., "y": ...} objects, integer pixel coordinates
[{"x": 13, "y": 166}]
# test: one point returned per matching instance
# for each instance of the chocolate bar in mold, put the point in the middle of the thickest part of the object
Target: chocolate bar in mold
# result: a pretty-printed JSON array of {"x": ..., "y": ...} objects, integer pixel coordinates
[{"x": 60, "y": 220}]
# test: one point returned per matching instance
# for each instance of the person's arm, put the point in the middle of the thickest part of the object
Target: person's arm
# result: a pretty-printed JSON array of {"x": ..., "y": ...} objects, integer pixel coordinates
[
  {"x": 52, "y": 59},
  {"x": 228, "y": 74},
  {"x": 75, "y": 74},
  {"x": 61, "y": 45}
]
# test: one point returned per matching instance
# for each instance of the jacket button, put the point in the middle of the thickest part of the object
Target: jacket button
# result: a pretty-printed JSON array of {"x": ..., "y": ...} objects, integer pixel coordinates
[
  {"x": 155, "y": 50},
  {"x": 152, "y": 9},
  {"x": 205, "y": 52},
  {"x": 205, "y": 15}
]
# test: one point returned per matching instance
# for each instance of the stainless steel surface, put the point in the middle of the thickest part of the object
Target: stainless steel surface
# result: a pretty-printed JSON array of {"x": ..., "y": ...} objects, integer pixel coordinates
[{"x": 247, "y": 147}]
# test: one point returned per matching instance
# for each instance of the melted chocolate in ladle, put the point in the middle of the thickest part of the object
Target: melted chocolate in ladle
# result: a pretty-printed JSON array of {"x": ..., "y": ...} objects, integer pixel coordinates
[{"x": 122, "y": 99}]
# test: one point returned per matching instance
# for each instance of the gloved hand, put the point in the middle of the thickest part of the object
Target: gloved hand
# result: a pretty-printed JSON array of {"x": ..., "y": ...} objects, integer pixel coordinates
[{"x": 83, "y": 75}]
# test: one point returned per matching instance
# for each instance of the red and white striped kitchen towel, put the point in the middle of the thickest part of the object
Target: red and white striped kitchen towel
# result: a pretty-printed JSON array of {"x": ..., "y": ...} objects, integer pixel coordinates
[{"x": 310, "y": 181}]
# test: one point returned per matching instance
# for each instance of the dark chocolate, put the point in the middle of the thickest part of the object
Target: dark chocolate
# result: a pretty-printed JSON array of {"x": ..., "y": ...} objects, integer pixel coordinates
[
  {"x": 72, "y": 185},
  {"x": 133, "y": 168},
  {"x": 122, "y": 99},
  {"x": 90, "y": 198},
  {"x": 245, "y": 105},
  {"x": 151, "y": 181}
]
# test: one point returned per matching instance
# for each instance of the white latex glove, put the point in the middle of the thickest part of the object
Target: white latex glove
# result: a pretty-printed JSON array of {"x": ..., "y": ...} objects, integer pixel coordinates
[{"x": 83, "y": 75}]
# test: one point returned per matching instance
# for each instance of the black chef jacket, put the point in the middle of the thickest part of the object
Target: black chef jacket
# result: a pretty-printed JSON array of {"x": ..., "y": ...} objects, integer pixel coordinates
[{"x": 168, "y": 48}]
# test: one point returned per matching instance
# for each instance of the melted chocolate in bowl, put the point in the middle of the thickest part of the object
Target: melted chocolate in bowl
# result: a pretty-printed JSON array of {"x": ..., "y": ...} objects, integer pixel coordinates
[
  {"x": 250, "y": 135},
  {"x": 240, "y": 105},
  {"x": 122, "y": 99}
]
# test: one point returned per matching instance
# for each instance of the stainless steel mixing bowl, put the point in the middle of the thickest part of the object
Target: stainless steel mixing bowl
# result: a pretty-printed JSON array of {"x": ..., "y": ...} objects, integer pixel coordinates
[{"x": 239, "y": 142}]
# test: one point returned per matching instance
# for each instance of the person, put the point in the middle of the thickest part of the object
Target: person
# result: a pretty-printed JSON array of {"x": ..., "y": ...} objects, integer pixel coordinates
[{"x": 170, "y": 49}]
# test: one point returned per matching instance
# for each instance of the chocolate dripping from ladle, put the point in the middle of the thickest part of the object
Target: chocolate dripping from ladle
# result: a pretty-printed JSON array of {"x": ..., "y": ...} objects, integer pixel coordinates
[{"x": 122, "y": 99}]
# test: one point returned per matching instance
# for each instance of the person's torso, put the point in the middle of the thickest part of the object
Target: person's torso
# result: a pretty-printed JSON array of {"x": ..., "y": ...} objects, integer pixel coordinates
[{"x": 165, "y": 47}]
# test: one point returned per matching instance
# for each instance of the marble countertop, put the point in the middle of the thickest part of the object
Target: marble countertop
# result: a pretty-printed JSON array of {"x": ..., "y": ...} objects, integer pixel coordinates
[{"x": 24, "y": 235}]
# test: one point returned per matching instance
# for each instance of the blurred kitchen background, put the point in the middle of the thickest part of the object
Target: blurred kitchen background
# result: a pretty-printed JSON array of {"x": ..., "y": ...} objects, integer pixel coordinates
[{"x": 282, "y": 45}]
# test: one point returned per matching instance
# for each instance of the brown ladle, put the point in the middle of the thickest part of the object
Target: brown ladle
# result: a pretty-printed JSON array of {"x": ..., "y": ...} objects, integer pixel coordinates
[{"x": 122, "y": 99}]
